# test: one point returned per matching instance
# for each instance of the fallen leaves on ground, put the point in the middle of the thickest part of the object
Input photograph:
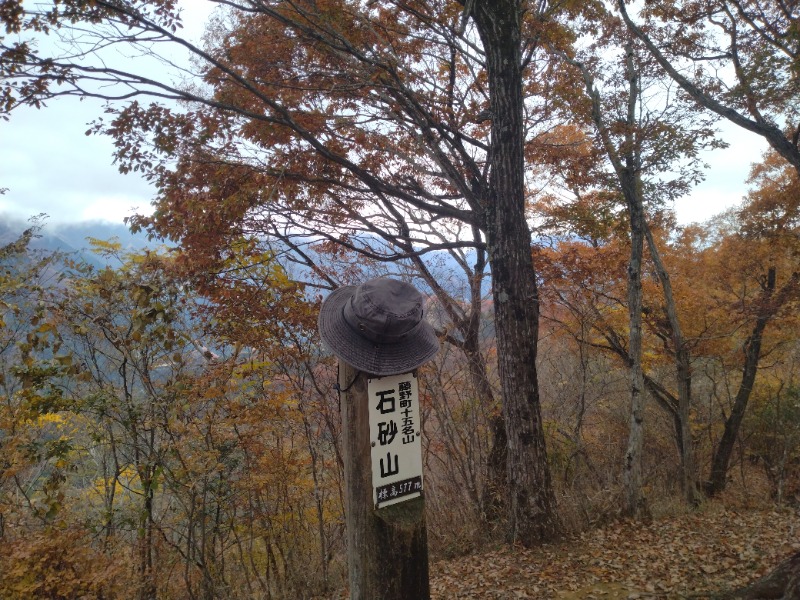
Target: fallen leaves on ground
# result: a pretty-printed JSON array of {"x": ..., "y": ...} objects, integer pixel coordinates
[{"x": 692, "y": 556}]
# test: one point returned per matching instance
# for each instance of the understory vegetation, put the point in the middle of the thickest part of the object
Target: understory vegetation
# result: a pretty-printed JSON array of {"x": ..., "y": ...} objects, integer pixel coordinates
[
  {"x": 164, "y": 443},
  {"x": 169, "y": 422}
]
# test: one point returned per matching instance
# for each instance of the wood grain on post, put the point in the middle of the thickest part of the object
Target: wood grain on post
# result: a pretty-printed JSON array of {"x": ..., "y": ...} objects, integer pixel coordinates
[{"x": 387, "y": 548}]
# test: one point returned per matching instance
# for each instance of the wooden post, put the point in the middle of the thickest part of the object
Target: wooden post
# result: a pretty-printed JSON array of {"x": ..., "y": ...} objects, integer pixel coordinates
[{"x": 387, "y": 548}]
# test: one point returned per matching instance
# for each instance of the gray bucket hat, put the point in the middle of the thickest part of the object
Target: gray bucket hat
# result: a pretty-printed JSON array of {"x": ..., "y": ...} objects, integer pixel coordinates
[{"x": 377, "y": 327}]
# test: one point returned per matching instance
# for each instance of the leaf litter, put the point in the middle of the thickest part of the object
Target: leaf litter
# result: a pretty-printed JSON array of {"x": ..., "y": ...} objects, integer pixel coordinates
[{"x": 692, "y": 556}]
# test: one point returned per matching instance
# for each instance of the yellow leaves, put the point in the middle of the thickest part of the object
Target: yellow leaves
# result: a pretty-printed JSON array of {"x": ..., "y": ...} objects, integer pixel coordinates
[
  {"x": 251, "y": 367},
  {"x": 123, "y": 485},
  {"x": 651, "y": 359},
  {"x": 45, "y": 426},
  {"x": 105, "y": 247},
  {"x": 55, "y": 418}
]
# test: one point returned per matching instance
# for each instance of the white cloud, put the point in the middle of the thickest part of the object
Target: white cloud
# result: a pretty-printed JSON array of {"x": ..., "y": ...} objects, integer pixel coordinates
[
  {"x": 49, "y": 165},
  {"x": 726, "y": 179}
]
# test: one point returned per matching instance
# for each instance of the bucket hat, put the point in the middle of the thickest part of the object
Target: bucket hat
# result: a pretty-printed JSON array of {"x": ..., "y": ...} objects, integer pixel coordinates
[{"x": 378, "y": 327}]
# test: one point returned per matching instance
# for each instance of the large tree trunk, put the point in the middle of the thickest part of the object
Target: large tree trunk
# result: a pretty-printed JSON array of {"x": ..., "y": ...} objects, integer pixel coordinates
[
  {"x": 783, "y": 583},
  {"x": 516, "y": 299}
]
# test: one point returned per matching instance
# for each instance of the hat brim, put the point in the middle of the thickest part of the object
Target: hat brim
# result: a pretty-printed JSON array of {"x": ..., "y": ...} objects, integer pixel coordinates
[{"x": 357, "y": 351}]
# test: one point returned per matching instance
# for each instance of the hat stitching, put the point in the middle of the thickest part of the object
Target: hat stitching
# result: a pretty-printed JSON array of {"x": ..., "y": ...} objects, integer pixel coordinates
[
  {"x": 362, "y": 327},
  {"x": 383, "y": 310},
  {"x": 390, "y": 318}
]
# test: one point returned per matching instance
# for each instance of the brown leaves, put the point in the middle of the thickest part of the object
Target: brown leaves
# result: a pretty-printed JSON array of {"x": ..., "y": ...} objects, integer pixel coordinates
[
  {"x": 690, "y": 556},
  {"x": 60, "y": 564}
]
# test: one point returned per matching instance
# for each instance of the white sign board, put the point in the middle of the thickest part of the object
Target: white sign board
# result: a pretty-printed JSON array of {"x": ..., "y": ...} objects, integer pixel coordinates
[{"x": 395, "y": 432}]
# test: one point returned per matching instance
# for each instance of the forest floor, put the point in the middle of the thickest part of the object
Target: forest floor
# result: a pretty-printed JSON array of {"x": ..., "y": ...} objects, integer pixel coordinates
[{"x": 693, "y": 556}]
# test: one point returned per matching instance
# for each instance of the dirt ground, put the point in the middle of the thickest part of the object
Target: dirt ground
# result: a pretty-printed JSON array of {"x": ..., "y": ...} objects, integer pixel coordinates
[{"x": 691, "y": 556}]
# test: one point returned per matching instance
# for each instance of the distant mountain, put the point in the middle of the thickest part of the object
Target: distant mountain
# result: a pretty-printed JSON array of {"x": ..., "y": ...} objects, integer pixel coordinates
[{"x": 74, "y": 237}]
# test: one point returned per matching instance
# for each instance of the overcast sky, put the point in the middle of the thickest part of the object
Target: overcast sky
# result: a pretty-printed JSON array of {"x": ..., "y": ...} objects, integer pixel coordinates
[{"x": 50, "y": 166}]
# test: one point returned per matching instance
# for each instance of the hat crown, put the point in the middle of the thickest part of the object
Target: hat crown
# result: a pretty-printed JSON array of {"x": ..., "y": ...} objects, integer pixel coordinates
[
  {"x": 378, "y": 327},
  {"x": 384, "y": 310}
]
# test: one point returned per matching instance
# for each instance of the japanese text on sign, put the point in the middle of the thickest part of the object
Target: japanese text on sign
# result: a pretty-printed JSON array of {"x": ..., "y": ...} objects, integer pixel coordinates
[{"x": 395, "y": 431}]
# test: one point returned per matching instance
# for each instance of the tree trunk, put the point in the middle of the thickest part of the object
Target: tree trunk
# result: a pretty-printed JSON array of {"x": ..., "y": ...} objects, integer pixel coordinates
[
  {"x": 783, "y": 583},
  {"x": 493, "y": 500},
  {"x": 496, "y": 480},
  {"x": 145, "y": 541},
  {"x": 722, "y": 456},
  {"x": 683, "y": 376},
  {"x": 532, "y": 507},
  {"x": 469, "y": 324},
  {"x": 630, "y": 182},
  {"x": 752, "y": 356},
  {"x": 632, "y": 468},
  {"x": 627, "y": 167}
]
